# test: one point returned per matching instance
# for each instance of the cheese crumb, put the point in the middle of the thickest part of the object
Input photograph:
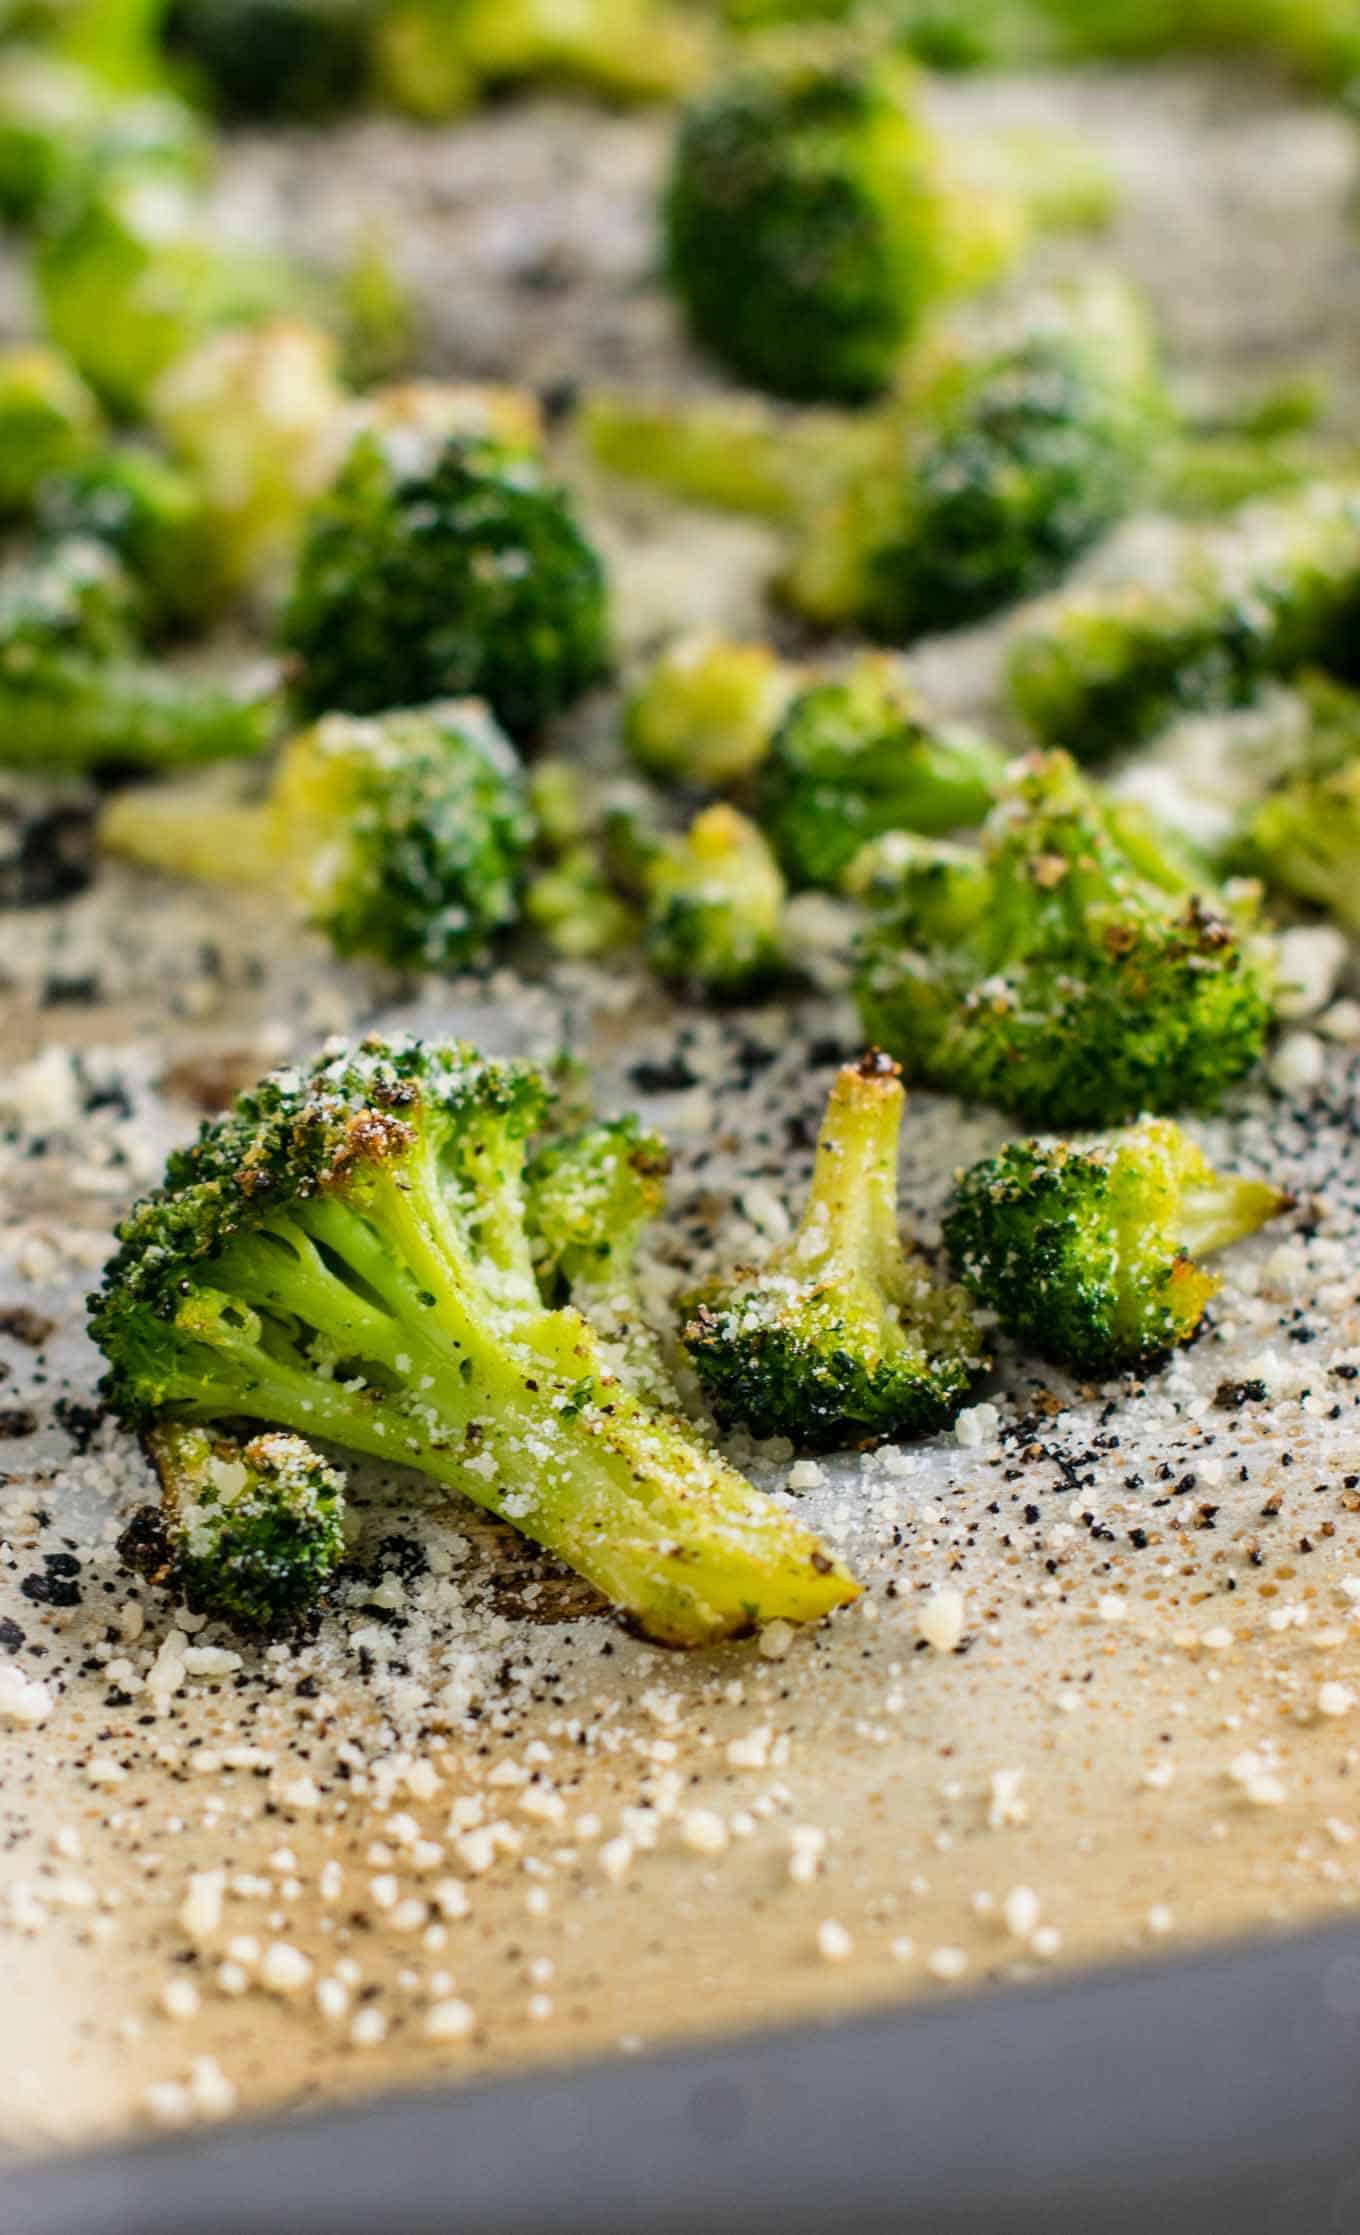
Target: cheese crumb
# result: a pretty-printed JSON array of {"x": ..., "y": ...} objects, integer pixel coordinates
[
  {"x": 1020, "y": 1910},
  {"x": 22, "y": 1698},
  {"x": 833, "y": 1941},
  {"x": 704, "y": 1831},
  {"x": 940, "y": 1620},
  {"x": 284, "y": 1969},
  {"x": 179, "y": 1998},
  {"x": 450, "y": 2021},
  {"x": 947, "y": 1963},
  {"x": 1335, "y": 1699}
]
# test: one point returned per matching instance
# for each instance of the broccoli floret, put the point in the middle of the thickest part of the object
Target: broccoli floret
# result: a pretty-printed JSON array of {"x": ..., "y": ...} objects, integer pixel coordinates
[
  {"x": 251, "y": 1532},
  {"x": 1089, "y": 1255},
  {"x": 843, "y": 1336},
  {"x": 1074, "y": 971},
  {"x": 590, "y": 1198},
  {"x": 1276, "y": 590},
  {"x": 574, "y": 905},
  {"x": 856, "y": 756},
  {"x": 809, "y": 225},
  {"x": 1304, "y": 840},
  {"x": 714, "y": 908},
  {"x": 134, "y": 276},
  {"x": 436, "y": 56},
  {"x": 402, "y": 836},
  {"x": 344, "y": 1254},
  {"x": 585, "y": 900},
  {"x": 74, "y": 695},
  {"x": 259, "y": 418},
  {"x": 706, "y": 710},
  {"x": 996, "y": 469},
  {"x": 152, "y": 517},
  {"x": 61, "y": 132},
  {"x": 48, "y": 422},
  {"x": 117, "y": 40},
  {"x": 443, "y": 570},
  {"x": 274, "y": 58}
]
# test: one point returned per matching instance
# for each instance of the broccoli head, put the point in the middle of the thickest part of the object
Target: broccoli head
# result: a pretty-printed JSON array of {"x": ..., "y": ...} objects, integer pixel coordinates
[
  {"x": 61, "y": 132},
  {"x": 844, "y": 1336},
  {"x": 402, "y": 836},
  {"x": 151, "y": 516},
  {"x": 809, "y": 224},
  {"x": 590, "y": 1198},
  {"x": 1276, "y": 590},
  {"x": 345, "y": 1254},
  {"x": 855, "y": 756},
  {"x": 251, "y": 1532},
  {"x": 446, "y": 569},
  {"x": 706, "y": 710},
  {"x": 1075, "y": 971},
  {"x": 714, "y": 907},
  {"x": 75, "y": 695},
  {"x": 1304, "y": 840},
  {"x": 48, "y": 422},
  {"x": 274, "y": 58},
  {"x": 1090, "y": 1255}
]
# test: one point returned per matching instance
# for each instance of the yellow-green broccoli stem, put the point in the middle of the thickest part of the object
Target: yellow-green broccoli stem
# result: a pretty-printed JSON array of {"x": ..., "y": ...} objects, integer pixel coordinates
[
  {"x": 706, "y": 710},
  {"x": 1089, "y": 1254},
  {"x": 436, "y": 56},
  {"x": 1277, "y": 589},
  {"x": 715, "y": 907},
  {"x": 49, "y": 422},
  {"x": 202, "y": 827},
  {"x": 843, "y": 1337},
  {"x": 738, "y": 454},
  {"x": 250, "y": 1531}
]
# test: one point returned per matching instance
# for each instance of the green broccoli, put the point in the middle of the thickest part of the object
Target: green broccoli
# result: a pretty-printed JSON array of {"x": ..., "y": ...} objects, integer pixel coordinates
[
  {"x": 1075, "y": 971},
  {"x": 1304, "y": 840},
  {"x": 586, "y": 897},
  {"x": 132, "y": 276},
  {"x": 1276, "y": 590},
  {"x": 844, "y": 1336},
  {"x": 250, "y": 1532},
  {"x": 856, "y": 756},
  {"x": 714, "y": 908},
  {"x": 274, "y": 58},
  {"x": 1089, "y": 1255},
  {"x": 48, "y": 422},
  {"x": 62, "y": 132},
  {"x": 75, "y": 695},
  {"x": 443, "y": 569},
  {"x": 344, "y": 1254},
  {"x": 810, "y": 224},
  {"x": 151, "y": 516},
  {"x": 589, "y": 1199},
  {"x": 573, "y": 903},
  {"x": 706, "y": 710},
  {"x": 118, "y": 41},
  {"x": 403, "y": 836},
  {"x": 435, "y": 57}
]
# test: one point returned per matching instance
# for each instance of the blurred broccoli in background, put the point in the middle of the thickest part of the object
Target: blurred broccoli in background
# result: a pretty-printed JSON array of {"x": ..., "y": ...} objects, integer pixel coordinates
[
  {"x": 442, "y": 569},
  {"x": 704, "y": 713},
  {"x": 1275, "y": 590},
  {"x": 843, "y": 1336},
  {"x": 403, "y": 836},
  {"x": 76, "y": 692},
  {"x": 152, "y": 517},
  {"x": 810, "y": 223},
  {"x": 274, "y": 58},
  {"x": 1303, "y": 837},
  {"x": 62, "y": 133},
  {"x": 1076, "y": 970},
  {"x": 48, "y": 422},
  {"x": 436, "y": 57},
  {"x": 1089, "y": 1255},
  {"x": 251, "y": 1532},
  {"x": 714, "y": 908},
  {"x": 856, "y": 755}
]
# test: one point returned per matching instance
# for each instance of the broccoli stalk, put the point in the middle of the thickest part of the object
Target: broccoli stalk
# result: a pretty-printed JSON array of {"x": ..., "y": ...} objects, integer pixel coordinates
[
  {"x": 251, "y": 1532},
  {"x": 403, "y": 836},
  {"x": 345, "y": 1254},
  {"x": 1090, "y": 1255},
  {"x": 1076, "y": 970},
  {"x": 434, "y": 57},
  {"x": 843, "y": 1337}
]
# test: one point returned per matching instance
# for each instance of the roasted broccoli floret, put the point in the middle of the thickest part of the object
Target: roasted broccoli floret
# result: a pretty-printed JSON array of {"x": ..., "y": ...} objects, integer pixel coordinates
[
  {"x": 1074, "y": 971},
  {"x": 714, "y": 907},
  {"x": 274, "y": 58},
  {"x": 997, "y": 467},
  {"x": 1089, "y": 1255},
  {"x": 1276, "y": 590},
  {"x": 48, "y": 422},
  {"x": 344, "y": 1254},
  {"x": 706, "y": 710},
  {"x": 436, "y": 56},
  {"x": 74, "y": 693},
  {"x": 810, "y": 224},
  {"x": 584, "y": 900},
  {"x": 856, "y": 756},
  {"x": 403, "y": 836},
  {"x": 151, "y": 516},
  {"x": 590, "y": 1199},
  {"x": 1304, "y": 840},
  {"x": 843, "y": 1336},
  {"x": 252, "y": 1532},
  {"x": 134, "y": 275},
  {"x": 445, "y": 569}
]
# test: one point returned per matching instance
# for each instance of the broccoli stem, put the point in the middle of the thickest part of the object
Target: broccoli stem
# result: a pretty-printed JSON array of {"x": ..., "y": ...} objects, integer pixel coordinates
[
  {"x": 739, "y": 455},
  {"x": 196, "y": 828},
  {"x": 65, "y": 712},
  {"x": 521, "y": 1416},
  {"x": 851, "y": 1213},
  {"x": 1221, "y": 1209}
]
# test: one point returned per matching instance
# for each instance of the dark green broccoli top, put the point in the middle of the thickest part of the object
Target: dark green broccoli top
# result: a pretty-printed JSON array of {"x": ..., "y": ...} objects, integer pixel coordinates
[
  {"x": 1088, "y": 1255},
  {"x": 251, "y": 1532},
  {"x": 441, "y": 571},
  {"x": 267, "y": 58},
  {"x": 149, "y": 514},
  {"x": 1074, "y": 972}
]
